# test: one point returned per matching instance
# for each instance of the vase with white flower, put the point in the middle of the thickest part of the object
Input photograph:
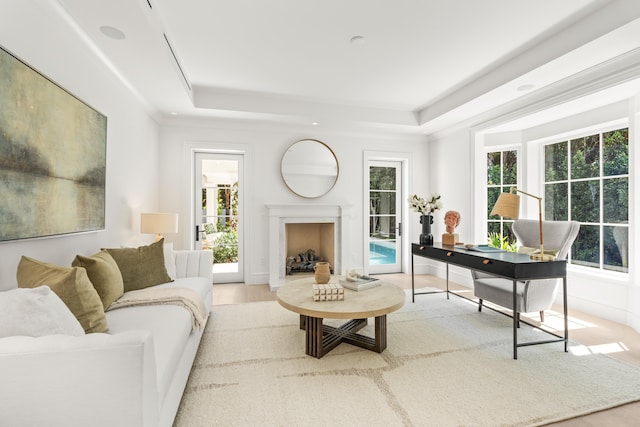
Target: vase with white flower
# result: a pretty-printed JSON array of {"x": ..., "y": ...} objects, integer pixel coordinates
[{"x": 426, "y": 207}]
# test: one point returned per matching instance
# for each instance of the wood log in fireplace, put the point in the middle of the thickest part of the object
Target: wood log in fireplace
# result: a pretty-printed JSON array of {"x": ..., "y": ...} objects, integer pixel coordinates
[{"x": 303, "y": 262}]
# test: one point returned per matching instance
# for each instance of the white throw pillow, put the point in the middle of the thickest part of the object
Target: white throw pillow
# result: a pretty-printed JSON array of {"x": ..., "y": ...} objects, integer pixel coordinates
[
  {"x": 170, "y": 260},
  {"x": 35, "y": 312}
]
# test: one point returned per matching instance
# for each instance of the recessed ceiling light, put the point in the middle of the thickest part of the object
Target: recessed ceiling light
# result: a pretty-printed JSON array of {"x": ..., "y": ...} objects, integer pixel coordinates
[
  {"x": 525, "y": 87},
  {"x": 357, "y": 40},
  {"x": 112, "y": 32},
  {"x": 173, "y": 113},
  {"x": 314, "y": 124}
]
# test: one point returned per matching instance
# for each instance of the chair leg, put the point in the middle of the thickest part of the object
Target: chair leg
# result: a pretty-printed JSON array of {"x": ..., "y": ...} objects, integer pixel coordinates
[
  {"x": 541, "y": 316},
  {"x": 480, "y": 304}
]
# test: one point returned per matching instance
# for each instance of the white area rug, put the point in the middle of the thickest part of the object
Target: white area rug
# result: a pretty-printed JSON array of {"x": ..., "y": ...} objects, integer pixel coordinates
[{"x": 445, "y": 365}]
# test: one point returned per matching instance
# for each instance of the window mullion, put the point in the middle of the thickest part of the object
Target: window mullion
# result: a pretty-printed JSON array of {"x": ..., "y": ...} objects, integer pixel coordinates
[{"x": 601, "y": 201}]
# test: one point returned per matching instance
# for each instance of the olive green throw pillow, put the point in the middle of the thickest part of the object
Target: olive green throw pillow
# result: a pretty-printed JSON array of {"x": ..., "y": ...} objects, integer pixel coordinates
[
  {"x": 104, "y": 275},
  {"x": 141, "y": 267},
  {"x": 73, "y": 287}
]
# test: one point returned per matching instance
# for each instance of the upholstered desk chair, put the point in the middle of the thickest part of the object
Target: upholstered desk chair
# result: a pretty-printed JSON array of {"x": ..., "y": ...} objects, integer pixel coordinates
[{"x": 532, "y": 295}]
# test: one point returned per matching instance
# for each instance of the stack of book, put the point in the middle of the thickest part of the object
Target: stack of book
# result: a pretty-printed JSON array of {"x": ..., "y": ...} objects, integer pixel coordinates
[{"x": 361, "y": 283}]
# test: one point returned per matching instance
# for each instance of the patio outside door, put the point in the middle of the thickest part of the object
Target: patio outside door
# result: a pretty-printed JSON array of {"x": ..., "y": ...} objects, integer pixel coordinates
[
  {"x": 385, "y": 213},
  {"x": 218, "y": 206}
]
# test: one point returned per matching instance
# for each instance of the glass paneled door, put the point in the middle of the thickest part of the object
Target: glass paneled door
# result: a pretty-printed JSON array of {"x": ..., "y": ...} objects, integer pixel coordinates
[
  {"x": 218, "y": 206},
  {"x": 385, "y": 213}
]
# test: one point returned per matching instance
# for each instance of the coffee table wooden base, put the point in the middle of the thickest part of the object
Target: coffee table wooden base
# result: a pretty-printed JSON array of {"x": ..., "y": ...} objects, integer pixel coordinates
[
  {"x": 321, "y": 339},
  {"x": 355, "y": 309}
]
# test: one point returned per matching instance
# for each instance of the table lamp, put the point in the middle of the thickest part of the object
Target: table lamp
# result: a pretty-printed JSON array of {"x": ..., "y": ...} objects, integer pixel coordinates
[
  {"x": 508, "y": 206},
  {"x": 158, "y": 224}
]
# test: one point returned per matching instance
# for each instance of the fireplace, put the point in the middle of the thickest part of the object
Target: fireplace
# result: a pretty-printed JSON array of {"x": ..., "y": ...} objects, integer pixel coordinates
[
  {"x": 308, "y": 243},
  {"x": 322, "y": 215}
]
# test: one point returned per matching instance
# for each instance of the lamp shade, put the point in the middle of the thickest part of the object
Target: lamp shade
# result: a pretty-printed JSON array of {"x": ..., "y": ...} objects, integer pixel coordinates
[
  {"x": 159, "y": 223},
  {"x": 507, "y": 205}
]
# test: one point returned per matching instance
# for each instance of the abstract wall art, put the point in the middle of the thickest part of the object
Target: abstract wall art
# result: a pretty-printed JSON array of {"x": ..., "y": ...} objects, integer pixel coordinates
[{"x": 52, "y": 157}]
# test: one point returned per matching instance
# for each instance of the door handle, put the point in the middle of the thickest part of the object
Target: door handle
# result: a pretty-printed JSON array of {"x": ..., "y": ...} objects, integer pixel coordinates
[
  {"x": 197, "y": 233},
  {"x": 399, "y": 229}
]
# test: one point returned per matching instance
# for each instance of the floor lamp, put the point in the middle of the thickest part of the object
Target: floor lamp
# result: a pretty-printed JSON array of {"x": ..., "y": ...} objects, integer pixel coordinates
[{"x": 508, "y": 206}]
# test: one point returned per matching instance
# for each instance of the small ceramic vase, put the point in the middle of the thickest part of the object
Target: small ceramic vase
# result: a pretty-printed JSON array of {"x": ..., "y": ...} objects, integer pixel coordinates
[
  {"x": 323, "y": 272},
  {"x": 426, "y": 238}
]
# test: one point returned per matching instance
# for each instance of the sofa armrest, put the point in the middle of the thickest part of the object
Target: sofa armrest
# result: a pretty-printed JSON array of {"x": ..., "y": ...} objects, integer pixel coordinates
[
  {"x": 90, "y": 380},
  {"x": 194, "y": 264}
]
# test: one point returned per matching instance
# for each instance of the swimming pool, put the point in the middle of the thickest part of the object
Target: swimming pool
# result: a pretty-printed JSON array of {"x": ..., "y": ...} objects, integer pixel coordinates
[{"x": 382, "y": 252}]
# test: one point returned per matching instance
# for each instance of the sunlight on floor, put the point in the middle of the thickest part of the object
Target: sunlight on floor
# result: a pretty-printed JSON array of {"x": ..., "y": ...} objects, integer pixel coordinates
[
  {"x": 554, "y": 320},
  {"x": 584, "y": 350}
]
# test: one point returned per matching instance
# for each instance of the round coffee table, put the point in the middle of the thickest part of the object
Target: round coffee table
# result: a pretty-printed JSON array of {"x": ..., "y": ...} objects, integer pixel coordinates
[{"x": 358, "y": 306}]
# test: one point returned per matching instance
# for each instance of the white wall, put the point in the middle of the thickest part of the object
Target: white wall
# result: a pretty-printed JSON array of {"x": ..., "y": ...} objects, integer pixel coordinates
[
  {"x": 451, "y": 174},
  {"x": 37, "y": 34},
  {"x": 264, "y": 146}
]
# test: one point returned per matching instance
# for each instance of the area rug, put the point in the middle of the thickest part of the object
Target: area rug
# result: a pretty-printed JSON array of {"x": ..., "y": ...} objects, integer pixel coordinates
[{"x": 446, "y": 364}]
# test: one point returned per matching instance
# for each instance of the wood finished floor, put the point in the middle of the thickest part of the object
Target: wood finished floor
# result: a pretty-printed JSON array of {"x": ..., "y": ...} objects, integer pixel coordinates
[{"x": 596, "y": 334}]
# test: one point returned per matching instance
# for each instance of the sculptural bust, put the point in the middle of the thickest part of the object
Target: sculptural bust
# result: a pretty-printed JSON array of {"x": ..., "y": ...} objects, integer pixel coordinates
[{"x": 452, "y": 220}]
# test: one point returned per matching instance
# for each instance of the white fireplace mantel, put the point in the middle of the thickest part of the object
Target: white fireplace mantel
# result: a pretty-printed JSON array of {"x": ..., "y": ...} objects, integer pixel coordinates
[{"x": 282, "y": 214}]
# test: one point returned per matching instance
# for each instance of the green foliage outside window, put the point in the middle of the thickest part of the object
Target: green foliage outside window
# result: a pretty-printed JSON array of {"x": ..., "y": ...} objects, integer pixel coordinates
[
  {"x": 556, "y": 161},
  {"x": 382, "y": 178},
  {"x": 586, "y": 180},
  {"x": 616, "y": 153},
  {"x": 585, "y": 157},
  {"x": 225, "y": 249},
  {"x": 502, "y": 242},
  {"x": 502, "y": 174},
  {"x": 223, "y": 227}
]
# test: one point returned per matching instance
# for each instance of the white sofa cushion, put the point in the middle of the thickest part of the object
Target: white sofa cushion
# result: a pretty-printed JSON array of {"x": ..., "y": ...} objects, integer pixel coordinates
[
  {"x": 35, "y": 312},
  {"x": 194, "y": 264},
  {"x": 169, "y": 325},
  {"x": 96, "y": 380}
]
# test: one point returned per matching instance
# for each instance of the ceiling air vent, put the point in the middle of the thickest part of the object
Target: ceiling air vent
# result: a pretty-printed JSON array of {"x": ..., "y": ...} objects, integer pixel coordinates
[{"x": 175, "y": 58}]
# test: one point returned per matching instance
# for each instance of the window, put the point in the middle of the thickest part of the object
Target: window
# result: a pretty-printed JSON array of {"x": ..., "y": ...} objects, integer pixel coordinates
[
  {"x": 502, "y": 174},
  {"x": 587, "y": 180}
]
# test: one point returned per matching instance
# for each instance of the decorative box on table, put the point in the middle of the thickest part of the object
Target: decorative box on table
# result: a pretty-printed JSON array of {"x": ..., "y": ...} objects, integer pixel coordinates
[{"x": 328, "y": 292}]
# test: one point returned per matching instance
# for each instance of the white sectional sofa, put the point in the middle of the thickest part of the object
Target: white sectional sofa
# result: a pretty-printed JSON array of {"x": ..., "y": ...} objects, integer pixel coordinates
[{"x": 134, "y": 375}]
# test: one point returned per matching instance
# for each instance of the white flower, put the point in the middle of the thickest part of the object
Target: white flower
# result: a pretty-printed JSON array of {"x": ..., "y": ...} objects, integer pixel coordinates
[{"x": 423, "y": 206}]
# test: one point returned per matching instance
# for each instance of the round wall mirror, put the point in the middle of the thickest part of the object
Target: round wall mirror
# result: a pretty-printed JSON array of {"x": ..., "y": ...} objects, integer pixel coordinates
[{"x": 309, "y": 168}]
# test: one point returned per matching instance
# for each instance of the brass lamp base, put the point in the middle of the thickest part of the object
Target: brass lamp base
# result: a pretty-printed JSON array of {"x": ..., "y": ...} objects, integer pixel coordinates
[{"x": 542, "y": 257}]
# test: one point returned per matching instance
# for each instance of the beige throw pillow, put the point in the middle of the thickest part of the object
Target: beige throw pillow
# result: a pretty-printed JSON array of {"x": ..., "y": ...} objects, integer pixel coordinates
[
  {"x": 73, "y": 287},
  {"x": 141, "y": 267},
  {"x": 104, "y": 275}
]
